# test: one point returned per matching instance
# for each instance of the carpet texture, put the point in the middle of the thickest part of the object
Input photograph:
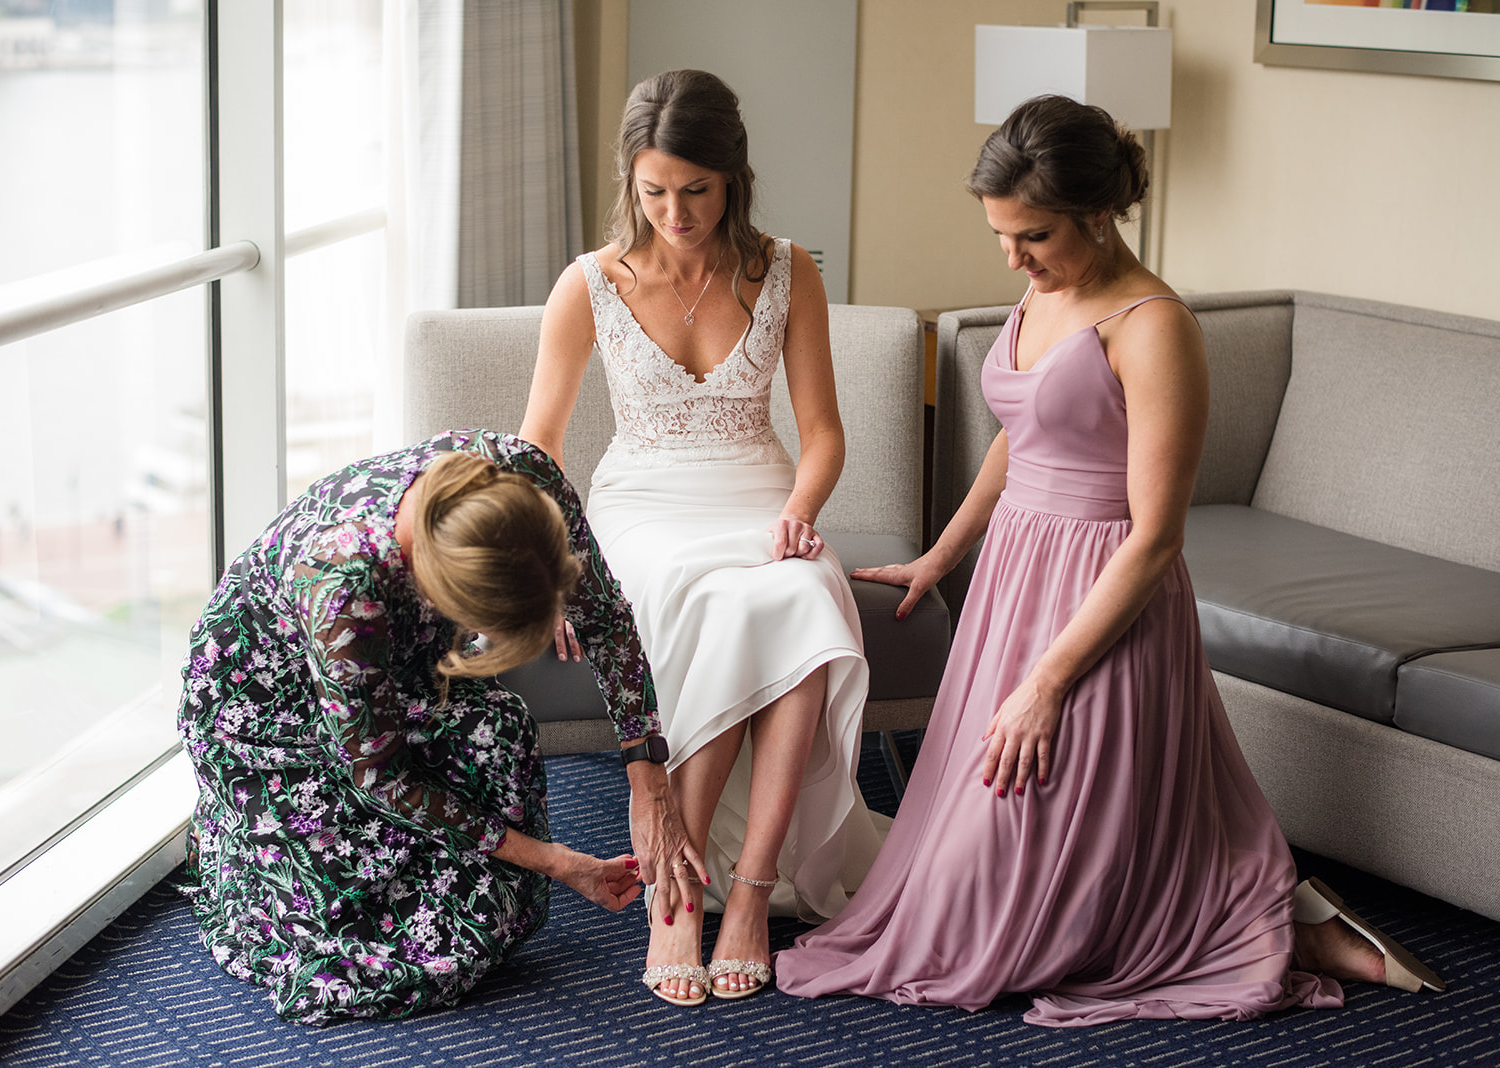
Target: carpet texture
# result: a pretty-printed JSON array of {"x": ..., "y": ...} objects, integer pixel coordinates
[{"x": 145, "y": 994}]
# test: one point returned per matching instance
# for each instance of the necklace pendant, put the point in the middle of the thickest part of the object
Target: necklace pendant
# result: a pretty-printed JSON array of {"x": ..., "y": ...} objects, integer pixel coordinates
[{"x": 688, "y": 318}]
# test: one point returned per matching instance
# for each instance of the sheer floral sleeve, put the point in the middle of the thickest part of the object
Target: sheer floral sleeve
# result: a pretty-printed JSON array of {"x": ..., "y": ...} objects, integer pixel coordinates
[
  {"x": 341, "y": 608},
  {"x": 598, "y": 610}
]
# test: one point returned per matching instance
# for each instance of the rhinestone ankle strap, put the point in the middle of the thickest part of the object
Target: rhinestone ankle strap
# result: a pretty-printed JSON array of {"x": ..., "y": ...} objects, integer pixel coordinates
[{"x": 737, "y": 877}]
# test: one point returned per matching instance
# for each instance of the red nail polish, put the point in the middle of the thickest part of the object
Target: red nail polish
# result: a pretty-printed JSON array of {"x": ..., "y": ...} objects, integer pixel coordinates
[
  {"x": 1040, "y": 781},
  {"x": 667, "y": 921},
  {"x": 690, "y": 906},
  {"x": 986, "y": 782},
  {"x": 1020, "y": 789}
]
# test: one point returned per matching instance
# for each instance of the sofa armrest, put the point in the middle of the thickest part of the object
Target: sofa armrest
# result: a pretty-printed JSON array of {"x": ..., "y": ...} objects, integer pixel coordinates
[{"x": 963, "y": 425}]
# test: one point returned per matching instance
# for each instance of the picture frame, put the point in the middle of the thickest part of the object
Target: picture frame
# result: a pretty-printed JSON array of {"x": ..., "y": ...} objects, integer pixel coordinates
[{"x": 1341, "y": 35}]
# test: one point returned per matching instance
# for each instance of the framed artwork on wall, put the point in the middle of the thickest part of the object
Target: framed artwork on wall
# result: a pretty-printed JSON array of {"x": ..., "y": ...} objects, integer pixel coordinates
[{"x": 1441, "y": 38}]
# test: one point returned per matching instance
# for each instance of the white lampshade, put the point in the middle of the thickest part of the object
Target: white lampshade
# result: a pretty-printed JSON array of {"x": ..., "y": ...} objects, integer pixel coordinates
[{"x": 1126, "y": 70}]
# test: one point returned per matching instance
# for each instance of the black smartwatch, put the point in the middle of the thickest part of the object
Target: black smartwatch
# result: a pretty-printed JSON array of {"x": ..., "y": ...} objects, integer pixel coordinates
[{"x": 654, "y": 749}]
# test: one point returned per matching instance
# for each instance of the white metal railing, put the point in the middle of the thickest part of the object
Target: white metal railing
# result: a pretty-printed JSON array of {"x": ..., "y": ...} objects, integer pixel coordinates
[
  {"x": 41, "y": 316},
  {"x": 44, "y": 315},
  {"x": 333, "y": 231}
]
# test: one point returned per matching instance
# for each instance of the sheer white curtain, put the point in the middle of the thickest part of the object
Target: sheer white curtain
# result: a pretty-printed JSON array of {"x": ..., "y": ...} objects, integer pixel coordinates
[
  {"x": 520, "y": 219},
  {"x": 424, "y": 67},
  {"x": 483, "y": 201}
]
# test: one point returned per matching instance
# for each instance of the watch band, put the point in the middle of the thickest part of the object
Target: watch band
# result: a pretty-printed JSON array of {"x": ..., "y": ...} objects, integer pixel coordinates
[{"x": 654, "y": 749}]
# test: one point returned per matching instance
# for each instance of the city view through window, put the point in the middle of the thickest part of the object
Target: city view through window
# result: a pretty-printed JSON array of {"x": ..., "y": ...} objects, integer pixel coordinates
[{"x": 105, "y": 540}]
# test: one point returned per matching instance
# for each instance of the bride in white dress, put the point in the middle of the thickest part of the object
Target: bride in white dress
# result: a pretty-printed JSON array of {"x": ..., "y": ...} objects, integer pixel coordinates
[{"x": 746, "y": 617}]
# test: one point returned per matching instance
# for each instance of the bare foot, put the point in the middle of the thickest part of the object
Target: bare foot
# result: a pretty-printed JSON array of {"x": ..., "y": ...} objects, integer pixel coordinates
[
  {"x": 678, "y": 942},
  {"x": 1332, "y": 948},
  {"x": 744, "y": 933}
]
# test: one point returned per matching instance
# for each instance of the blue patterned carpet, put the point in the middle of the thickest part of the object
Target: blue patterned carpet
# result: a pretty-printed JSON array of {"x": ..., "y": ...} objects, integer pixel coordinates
[{"x": 145, "y": 994}]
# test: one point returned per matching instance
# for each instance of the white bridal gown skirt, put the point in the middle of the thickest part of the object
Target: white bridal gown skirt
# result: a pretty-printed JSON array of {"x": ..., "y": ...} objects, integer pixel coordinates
[{"x": 727, "y": 631}]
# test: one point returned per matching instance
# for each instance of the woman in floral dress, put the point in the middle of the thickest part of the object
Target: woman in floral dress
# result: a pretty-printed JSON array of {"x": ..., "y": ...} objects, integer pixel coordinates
[{"x": 371, "y": 835}]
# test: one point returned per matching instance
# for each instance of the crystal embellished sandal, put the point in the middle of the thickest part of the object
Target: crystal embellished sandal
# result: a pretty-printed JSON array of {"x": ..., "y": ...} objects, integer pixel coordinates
[
  {"x": 657, "y": 974},
  {"x": 654, "y": 976},
  {"x": 759, "y": 973}
]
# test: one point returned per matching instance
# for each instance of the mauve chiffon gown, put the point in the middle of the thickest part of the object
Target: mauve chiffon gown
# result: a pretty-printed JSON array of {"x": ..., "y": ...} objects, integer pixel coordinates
[{"x": 1147, "y": 877}]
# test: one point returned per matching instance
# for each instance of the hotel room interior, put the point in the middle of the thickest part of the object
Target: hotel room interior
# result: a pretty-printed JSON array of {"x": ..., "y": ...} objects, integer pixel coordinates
[{"x": 219, "y": 217}]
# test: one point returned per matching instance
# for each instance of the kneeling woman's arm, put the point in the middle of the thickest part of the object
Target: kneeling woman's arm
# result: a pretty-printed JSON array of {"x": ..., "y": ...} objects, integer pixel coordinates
[{"x": 611, "y": 883}]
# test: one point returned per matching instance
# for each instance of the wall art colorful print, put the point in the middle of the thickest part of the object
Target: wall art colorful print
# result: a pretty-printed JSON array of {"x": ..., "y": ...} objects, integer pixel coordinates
[{"x": 1442, "y": 38}]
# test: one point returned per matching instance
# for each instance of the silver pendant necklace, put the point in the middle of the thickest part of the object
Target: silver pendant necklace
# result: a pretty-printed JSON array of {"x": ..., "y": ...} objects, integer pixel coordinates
[{"x": 688, "y": 312}]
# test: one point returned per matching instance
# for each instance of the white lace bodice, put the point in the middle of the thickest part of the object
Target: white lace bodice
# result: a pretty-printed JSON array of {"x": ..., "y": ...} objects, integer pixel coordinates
[{"x": 663, "y": 415}]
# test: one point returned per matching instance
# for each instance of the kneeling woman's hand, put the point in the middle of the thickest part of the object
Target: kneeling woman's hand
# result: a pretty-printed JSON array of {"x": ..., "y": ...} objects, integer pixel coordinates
[{"x": 612, "y": 883}]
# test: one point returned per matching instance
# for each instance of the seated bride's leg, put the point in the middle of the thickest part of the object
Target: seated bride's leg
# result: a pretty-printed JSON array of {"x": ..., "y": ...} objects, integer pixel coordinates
[
  {"x": 781, "y": 735},
  {"x": 697, "y": 784}
]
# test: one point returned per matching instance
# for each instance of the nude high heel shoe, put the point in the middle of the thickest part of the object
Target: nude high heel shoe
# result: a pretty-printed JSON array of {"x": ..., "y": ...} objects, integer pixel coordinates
[{"x": 1313, "y": 902}]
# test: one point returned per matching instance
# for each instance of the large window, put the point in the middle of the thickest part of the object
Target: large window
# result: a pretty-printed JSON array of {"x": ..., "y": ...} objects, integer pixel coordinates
[
  {"x": 104, "y": 529},
  {"x": 334, "y": 135},
  {"x": 136, "y": 444}
]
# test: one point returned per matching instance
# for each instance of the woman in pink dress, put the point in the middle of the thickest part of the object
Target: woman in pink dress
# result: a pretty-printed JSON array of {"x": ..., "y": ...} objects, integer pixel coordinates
[{"x": 1081, "y": 825}]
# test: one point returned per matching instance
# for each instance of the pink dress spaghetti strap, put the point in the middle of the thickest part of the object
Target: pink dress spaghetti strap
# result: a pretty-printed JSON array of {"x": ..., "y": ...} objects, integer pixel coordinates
[{"x": 1148, "y": 877}]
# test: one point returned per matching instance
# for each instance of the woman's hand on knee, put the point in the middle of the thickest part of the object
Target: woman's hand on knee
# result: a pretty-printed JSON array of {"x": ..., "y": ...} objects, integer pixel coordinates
[
  {"x": 791, "y": 536},
  {"x": 1019, "y": 739}
]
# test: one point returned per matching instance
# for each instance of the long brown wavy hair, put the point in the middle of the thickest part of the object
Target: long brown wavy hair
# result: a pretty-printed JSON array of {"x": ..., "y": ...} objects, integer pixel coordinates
[{"x": 694, "y": 116}]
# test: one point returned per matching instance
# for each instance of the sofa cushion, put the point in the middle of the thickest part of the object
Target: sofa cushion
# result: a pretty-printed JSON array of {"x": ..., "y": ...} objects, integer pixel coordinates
[
  {"x": 906, "y": 657},
  {"x": 1325, "y": 615},
  {"x": 1453, "y": 698}
]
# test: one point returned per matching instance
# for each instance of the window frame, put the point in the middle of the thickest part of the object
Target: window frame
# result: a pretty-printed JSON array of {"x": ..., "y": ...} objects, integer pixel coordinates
[{"x": 77, "y": 884}]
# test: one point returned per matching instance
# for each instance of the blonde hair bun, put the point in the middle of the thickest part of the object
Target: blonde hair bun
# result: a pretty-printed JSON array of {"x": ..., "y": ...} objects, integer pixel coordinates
[{"x": 491, "y": 552}]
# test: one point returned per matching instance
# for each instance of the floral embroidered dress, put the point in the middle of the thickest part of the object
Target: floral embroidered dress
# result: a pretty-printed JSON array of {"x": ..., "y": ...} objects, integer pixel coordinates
[{"x": 345, "y": 821}]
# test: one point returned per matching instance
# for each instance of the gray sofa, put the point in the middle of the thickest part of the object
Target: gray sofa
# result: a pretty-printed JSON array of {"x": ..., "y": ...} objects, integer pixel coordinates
[
  {"x": 473, "y": 368},
  {"x": 1344, "y": 546}
]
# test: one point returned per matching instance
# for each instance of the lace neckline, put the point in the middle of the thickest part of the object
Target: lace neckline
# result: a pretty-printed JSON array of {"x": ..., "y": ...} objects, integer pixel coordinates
[{"x": 739, "y": 346}]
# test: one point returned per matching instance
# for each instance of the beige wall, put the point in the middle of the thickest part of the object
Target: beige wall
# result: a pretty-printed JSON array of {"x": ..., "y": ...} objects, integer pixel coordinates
[
  {"x": 1360, "y": 184},
  {"x": 1368, "y": 185},
  {"x": 601, "y": 41},
  {"x": 919, "y": 240}
]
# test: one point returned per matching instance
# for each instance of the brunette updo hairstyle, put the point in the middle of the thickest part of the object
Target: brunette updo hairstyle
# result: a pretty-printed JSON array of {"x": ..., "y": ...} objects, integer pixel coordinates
[
  {"x": 694, "y": 116},
  {"x": 491, "y": 552},
  {"x": 1055, "y": 154}
]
